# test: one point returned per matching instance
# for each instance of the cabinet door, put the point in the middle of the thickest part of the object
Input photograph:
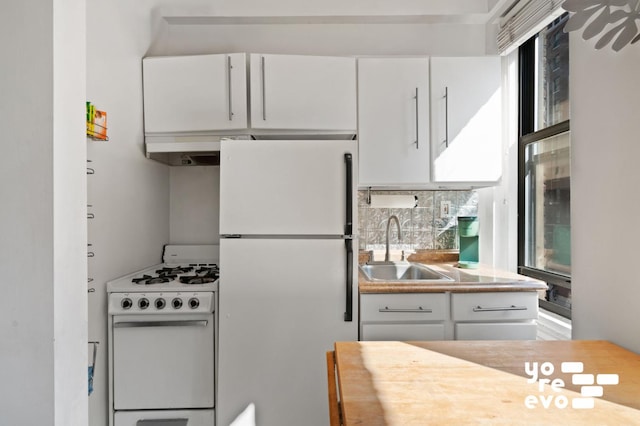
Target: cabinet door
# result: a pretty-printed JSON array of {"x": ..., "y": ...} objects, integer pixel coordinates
[
  {"x": 195, "y": 93},
  {"x": 393, "y": 121},
  {"x": 303, "y": 92},
  {"x": 496, "y": 331},
  {"x": 402, "y": 332},
  {"x": 466, "y": 130}
]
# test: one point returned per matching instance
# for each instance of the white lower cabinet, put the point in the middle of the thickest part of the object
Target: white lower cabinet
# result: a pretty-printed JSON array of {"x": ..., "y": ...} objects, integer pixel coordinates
[
  {"x": 495, "y": 316},
  {"x": 447, "y": 316},
  {"x": 403, "y": 316}
]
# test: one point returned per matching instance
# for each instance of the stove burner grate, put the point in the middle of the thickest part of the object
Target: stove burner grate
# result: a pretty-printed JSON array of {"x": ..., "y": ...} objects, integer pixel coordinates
[
  {"x": 203, "y": 275},
  {"x": 177, "y": 270},
  {"x": 148, "y": 279},
  {"x": 199, "y": 274},
  {"x": 194, "y": 279}
]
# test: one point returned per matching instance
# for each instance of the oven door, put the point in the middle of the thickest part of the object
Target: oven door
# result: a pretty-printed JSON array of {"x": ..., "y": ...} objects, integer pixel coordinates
[{"x": 163, "y": 361}]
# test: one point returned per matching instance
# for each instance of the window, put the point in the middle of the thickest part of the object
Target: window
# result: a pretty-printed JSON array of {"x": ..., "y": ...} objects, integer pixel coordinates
[{"x": 544, "y": 223}]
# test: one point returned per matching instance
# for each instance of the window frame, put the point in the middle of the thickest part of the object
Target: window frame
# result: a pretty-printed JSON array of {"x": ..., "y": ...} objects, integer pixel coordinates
[{"x": 526, "y": 136}]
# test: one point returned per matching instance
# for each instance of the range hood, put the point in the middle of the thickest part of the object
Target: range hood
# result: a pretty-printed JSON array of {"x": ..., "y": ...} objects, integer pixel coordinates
[
  {"x": 204, "y": 150},
  {"x": 192, "y": 150}
]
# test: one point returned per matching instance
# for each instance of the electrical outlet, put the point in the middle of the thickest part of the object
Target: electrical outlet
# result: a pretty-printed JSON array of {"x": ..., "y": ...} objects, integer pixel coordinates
[{"x": 445, "y": 208}]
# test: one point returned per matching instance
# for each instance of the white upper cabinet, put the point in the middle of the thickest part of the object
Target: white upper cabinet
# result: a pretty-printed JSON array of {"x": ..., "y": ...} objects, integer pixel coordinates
[
  {"x": 466, "y": 117},
  {"x": 393, "y": 115},
  {"x": 195, "y": 93},
  {"x": 303, "y": 92}
]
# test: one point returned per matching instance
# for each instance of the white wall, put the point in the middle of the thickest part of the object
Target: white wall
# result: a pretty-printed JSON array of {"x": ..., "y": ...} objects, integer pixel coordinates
[
  {"x": 605, "y": 100},
  {"x": 69, "y": 213},
  {"x": 498, "y": 206},
  {"x": 43, "y": 325},
  {"x": 195, "y": 205},
  {"x": 129, "y": 194}
]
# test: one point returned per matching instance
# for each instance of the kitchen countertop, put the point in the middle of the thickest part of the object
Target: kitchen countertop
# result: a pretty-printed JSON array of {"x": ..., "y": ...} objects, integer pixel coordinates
[{"x": 483, "y": 279}]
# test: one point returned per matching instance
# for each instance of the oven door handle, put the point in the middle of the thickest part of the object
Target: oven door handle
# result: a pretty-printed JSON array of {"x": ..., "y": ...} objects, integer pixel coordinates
[
  {"x": 163, "y": 422},
  {"x": 175, "y": 323}
]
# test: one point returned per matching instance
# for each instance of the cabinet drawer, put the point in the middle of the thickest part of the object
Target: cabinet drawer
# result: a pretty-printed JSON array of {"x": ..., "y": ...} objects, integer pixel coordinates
[
  {"x": 403, "y": 307},
  {"x": 494, "y": 306},
  {"x": 402, "y": 332},
  {"x": 496, "y": 331}
]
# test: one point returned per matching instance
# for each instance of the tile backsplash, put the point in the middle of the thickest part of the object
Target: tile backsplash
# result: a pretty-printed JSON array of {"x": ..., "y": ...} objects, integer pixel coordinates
[{"x": 423, "y": 227}]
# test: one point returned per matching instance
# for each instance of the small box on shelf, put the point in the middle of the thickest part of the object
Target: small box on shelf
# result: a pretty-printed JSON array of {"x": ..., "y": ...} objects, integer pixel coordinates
[{"x": 96, "y": 123}]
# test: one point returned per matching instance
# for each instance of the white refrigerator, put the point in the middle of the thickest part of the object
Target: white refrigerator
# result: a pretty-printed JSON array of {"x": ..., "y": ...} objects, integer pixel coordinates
[{"x": 288, "y": 285}]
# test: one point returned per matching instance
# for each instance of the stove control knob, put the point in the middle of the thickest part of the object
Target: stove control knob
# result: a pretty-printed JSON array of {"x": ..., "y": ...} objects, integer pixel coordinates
[
  {"x": 160, "y": 303},
  {"x": 126, "y": 303},
  {"x": 143, "y": 303},
  {"x": 194, "y": 303},
  {"x": 176, "y": 303}
]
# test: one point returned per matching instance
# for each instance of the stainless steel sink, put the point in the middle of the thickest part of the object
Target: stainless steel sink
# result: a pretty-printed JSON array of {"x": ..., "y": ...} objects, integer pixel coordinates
[{"x": 402, "y": 272}]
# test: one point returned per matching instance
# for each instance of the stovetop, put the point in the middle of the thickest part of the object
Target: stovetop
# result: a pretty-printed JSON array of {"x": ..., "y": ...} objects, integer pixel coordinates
[
  {"x": 189, "y": 268},
  {"x": 169, "y": 277},
  {"x": 191, "y": 274}
]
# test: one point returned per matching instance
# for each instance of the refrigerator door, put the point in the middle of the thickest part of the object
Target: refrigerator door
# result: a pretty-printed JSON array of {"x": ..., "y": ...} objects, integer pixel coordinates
[
  {"x": 282, "y": 304},
  {"x": 285, "y": 187}
]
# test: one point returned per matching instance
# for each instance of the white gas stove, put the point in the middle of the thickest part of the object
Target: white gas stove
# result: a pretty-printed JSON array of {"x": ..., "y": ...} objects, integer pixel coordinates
[
  {"x": 160, "y": 318},
  {"x": 184, "y": 268}
]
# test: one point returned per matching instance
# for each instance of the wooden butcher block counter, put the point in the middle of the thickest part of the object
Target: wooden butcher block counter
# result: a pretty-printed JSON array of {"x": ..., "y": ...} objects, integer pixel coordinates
[{"x": 486, "y": 382}]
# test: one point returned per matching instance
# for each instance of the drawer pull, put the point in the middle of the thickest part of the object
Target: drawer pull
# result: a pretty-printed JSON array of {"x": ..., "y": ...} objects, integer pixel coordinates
[
  {"x": 419, "y": 310},
  {"x": 505, "y": 308}
]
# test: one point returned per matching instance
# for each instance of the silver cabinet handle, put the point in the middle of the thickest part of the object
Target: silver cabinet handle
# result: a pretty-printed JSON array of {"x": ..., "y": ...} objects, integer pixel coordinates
[
  {"x": 230, "y": 106},
  {"x": 420, "y": 309},
  {"x": 188, "y": 323},
  {"x": 417, "y": 126},
  {"x": 264, "y": 91},
  {"x": 446, "y": 117},
  {"x": 504, "y": 308},
  {"x": 163, "y": 422}
]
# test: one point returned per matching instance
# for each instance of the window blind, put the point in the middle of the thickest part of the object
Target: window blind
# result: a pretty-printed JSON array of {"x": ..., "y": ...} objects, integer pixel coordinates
[{"x": 524, "y": 19}]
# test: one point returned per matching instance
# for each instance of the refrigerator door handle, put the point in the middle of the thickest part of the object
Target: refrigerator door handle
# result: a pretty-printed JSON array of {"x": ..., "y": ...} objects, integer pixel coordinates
[
  {"x": 348, "y": 242},
  {"x": 348, "y": 315},
  {"x": 348, "y": 227}
]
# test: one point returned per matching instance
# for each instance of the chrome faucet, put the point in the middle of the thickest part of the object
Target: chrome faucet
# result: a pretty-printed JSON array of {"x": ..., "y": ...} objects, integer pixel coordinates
[{"x": 392, "y": 217}]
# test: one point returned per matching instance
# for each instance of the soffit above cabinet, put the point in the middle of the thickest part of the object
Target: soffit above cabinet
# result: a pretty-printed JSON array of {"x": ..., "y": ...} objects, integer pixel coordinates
[{"x": 335, "y": 12}]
